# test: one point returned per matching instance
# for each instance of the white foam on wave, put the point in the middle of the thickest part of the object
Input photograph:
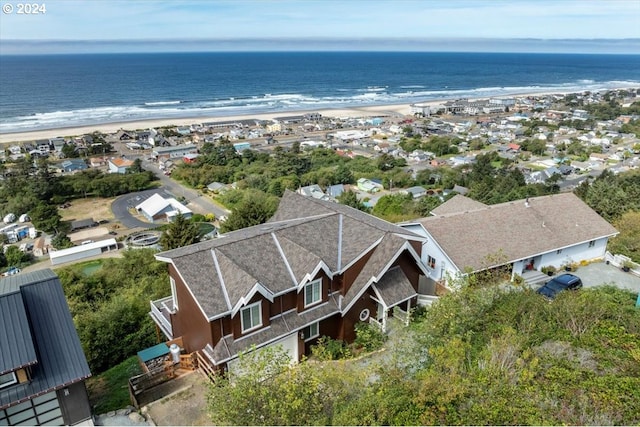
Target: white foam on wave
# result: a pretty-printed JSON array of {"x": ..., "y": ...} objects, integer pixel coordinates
[
  {"x": 280, "y": 102},
  {"x": 159, "y": 103}
]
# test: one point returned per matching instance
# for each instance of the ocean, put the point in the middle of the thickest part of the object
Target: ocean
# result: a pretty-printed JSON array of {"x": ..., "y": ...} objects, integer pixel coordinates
[{"x": 53, "y": 91}]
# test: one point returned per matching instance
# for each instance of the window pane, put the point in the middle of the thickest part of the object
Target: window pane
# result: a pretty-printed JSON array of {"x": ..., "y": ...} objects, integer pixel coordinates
[
  {"x": 312, "y": 292},
  {"x": 255, "y": 315},
  {"x": 246, "y": 319}
]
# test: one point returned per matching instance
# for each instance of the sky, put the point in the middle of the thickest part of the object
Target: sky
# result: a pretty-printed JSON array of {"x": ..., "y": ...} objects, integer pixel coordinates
[{"x": 174, "y": 25}]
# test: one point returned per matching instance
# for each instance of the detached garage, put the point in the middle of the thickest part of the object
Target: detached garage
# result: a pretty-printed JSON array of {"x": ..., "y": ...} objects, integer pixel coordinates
[{"x": 83, "y": 251}]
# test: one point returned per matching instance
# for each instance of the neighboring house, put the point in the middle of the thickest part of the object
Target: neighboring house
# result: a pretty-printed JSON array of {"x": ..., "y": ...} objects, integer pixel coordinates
[
  {"x": 119, "y": 165},
  {"x": 190, "y": 157},
  {"x": 96, "y": 162},
  {"x": 42, "y": 366},
  {"x": 314, "y": 191},
  {"x": 71, "y": 166},
  {"x": 316, "y": 268},
  {"x": 217, "y": 187},
  {"x": 335, "y": 190},
  {"x": 525, "y": 234},
  {"x": 416, "y": 192},
  {"x": 157, "y": 207},
  {"x": 368, "y": 185}
]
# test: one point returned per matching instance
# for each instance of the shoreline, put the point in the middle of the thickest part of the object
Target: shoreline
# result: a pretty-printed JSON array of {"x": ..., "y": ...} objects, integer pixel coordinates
[
  {"x": 356, "y": 111},
  {"x": 137, "y": 124}
]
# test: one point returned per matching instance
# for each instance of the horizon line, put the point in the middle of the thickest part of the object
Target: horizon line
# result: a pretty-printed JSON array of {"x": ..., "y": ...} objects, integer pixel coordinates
[{"x": 16, "y": 47}]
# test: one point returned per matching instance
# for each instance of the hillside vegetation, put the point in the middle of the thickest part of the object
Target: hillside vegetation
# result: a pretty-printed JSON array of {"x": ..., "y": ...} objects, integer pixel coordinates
[{"x": 477, "y": 357}]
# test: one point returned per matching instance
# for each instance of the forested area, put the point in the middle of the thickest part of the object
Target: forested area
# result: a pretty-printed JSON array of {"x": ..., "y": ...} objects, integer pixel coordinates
[
  {"x": 110, "y": 306},
  {"x": 480, "y": 356}
]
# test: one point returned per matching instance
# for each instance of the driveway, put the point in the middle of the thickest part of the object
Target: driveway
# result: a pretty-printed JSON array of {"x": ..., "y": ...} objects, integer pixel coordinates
[{"x": 599, "y": 273}]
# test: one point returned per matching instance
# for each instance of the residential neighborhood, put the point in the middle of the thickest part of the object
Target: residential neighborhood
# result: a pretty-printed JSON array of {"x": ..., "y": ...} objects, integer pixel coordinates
[{"x": 299, "y": 234}]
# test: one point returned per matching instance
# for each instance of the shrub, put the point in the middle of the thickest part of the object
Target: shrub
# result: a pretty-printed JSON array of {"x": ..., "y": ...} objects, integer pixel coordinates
[
  {"x": 368, "y": 337},
  {"x": 329, "y": 349}
]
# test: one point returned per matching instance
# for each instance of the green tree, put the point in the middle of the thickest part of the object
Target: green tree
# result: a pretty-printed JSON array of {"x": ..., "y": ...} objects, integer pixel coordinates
[
  {"x": 45, "y": 217},
  {"x": 14, "y": 256},
  {"x": 628, "y": 241},
  {"x": 180, "y": 232},
  {"x": 256, "y": 207},
  {"x": 61, "y": 241},
  {"x": 350, "y": 198}
]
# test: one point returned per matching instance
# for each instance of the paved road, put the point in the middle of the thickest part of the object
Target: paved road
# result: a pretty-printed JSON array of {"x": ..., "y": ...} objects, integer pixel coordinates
[{"x": 196, "y": 201}]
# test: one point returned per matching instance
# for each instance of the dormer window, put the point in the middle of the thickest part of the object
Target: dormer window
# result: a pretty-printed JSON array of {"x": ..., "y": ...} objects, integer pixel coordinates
[
  {"x": 8, "y": 379},
  {"x": 251, "y": 317},
  {"x": 313, "y": 293}
]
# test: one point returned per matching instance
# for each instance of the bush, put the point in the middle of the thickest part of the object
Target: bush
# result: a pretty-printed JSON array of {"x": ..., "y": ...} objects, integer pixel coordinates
[
  {"x": 368, "y": 337},
  {"x": 329, "y": 349}
]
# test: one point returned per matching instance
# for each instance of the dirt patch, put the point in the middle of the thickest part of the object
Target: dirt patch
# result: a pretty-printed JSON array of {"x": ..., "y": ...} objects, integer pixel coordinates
[
  {"x": 187, "y": 406},
  {"x": 92, "y": 207}
]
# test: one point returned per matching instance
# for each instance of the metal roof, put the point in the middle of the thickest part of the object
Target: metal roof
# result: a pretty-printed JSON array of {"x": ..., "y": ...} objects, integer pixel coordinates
[{"x": 60, "y": 359}]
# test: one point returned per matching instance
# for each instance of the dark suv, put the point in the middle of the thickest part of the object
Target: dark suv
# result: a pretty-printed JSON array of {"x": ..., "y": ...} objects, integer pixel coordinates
[{"x": 559, "y": 284}]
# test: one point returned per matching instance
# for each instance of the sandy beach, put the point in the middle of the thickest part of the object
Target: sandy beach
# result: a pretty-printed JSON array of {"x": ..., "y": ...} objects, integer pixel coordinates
[
  {"x": 382, "y": 110},
  {"x": 364, "y": 111}
]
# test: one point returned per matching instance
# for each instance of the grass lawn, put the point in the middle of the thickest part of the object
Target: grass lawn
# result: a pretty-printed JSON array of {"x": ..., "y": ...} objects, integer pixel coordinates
[{"x": 109, "y": 391}]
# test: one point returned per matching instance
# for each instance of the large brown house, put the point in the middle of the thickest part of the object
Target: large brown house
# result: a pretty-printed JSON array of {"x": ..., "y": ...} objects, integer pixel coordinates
[{"x": 316, "y": 268}]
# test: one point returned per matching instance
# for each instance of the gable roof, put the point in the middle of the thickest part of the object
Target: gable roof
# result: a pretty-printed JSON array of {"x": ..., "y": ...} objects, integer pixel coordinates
[
  {"x": 50, "y": 331},
  {"x": 518, "y": 229},
  {"x": 304, "y": 236}
]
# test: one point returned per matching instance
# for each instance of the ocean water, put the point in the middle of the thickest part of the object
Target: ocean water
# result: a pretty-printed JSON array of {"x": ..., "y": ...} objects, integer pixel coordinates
[{"x": 52, "y": 91}]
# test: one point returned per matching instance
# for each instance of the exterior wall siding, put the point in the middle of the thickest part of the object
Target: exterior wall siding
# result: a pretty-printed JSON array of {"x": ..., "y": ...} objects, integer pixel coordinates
[
  {"x": 350, "y": 319},
  {"x": 189, "y": 322},
  {"x": 575, "y": 253},
  {"x": 351, "y": 274}
]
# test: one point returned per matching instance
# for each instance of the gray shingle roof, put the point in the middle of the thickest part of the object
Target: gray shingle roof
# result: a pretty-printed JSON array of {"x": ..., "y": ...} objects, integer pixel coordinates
[
  {"x": 60, "y": 358},
  {"x": 394, "y": 287},
  {"x": 303, "y": 233},
  {"x": 381, "y": 256},
  {"x": 548, "y": 223},
  {"x": 457, "y": 204}
]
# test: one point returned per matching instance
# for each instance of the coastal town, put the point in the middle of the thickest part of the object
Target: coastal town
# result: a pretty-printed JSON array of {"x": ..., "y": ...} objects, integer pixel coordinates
[{"x": 403, "y": 188}]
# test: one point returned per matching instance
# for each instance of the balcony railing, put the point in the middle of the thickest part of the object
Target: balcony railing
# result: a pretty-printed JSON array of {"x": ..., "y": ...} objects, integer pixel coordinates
[{"x": 160, "y": 313}]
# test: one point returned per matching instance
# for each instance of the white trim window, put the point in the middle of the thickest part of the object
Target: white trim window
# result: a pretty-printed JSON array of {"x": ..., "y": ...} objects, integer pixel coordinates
[
  {"x": 8, "y": 379},
  {"x": 251, "y": 317},
  {"x": 313, "y": 292},
  {"x": 312, "y": 331}
]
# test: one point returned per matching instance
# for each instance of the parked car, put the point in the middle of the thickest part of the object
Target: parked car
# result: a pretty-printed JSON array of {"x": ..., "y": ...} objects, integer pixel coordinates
[
  {"x": 11, "y": 271},
  {"x": 560, "y": 283}
]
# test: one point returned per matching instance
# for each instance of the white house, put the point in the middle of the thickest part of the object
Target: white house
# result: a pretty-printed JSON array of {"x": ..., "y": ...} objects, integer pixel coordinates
[{"x": 526, "y": 234}]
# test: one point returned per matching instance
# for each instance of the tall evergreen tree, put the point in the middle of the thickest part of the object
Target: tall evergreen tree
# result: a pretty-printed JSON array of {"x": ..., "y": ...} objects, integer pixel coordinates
[{"x": 180, "y": 232}]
